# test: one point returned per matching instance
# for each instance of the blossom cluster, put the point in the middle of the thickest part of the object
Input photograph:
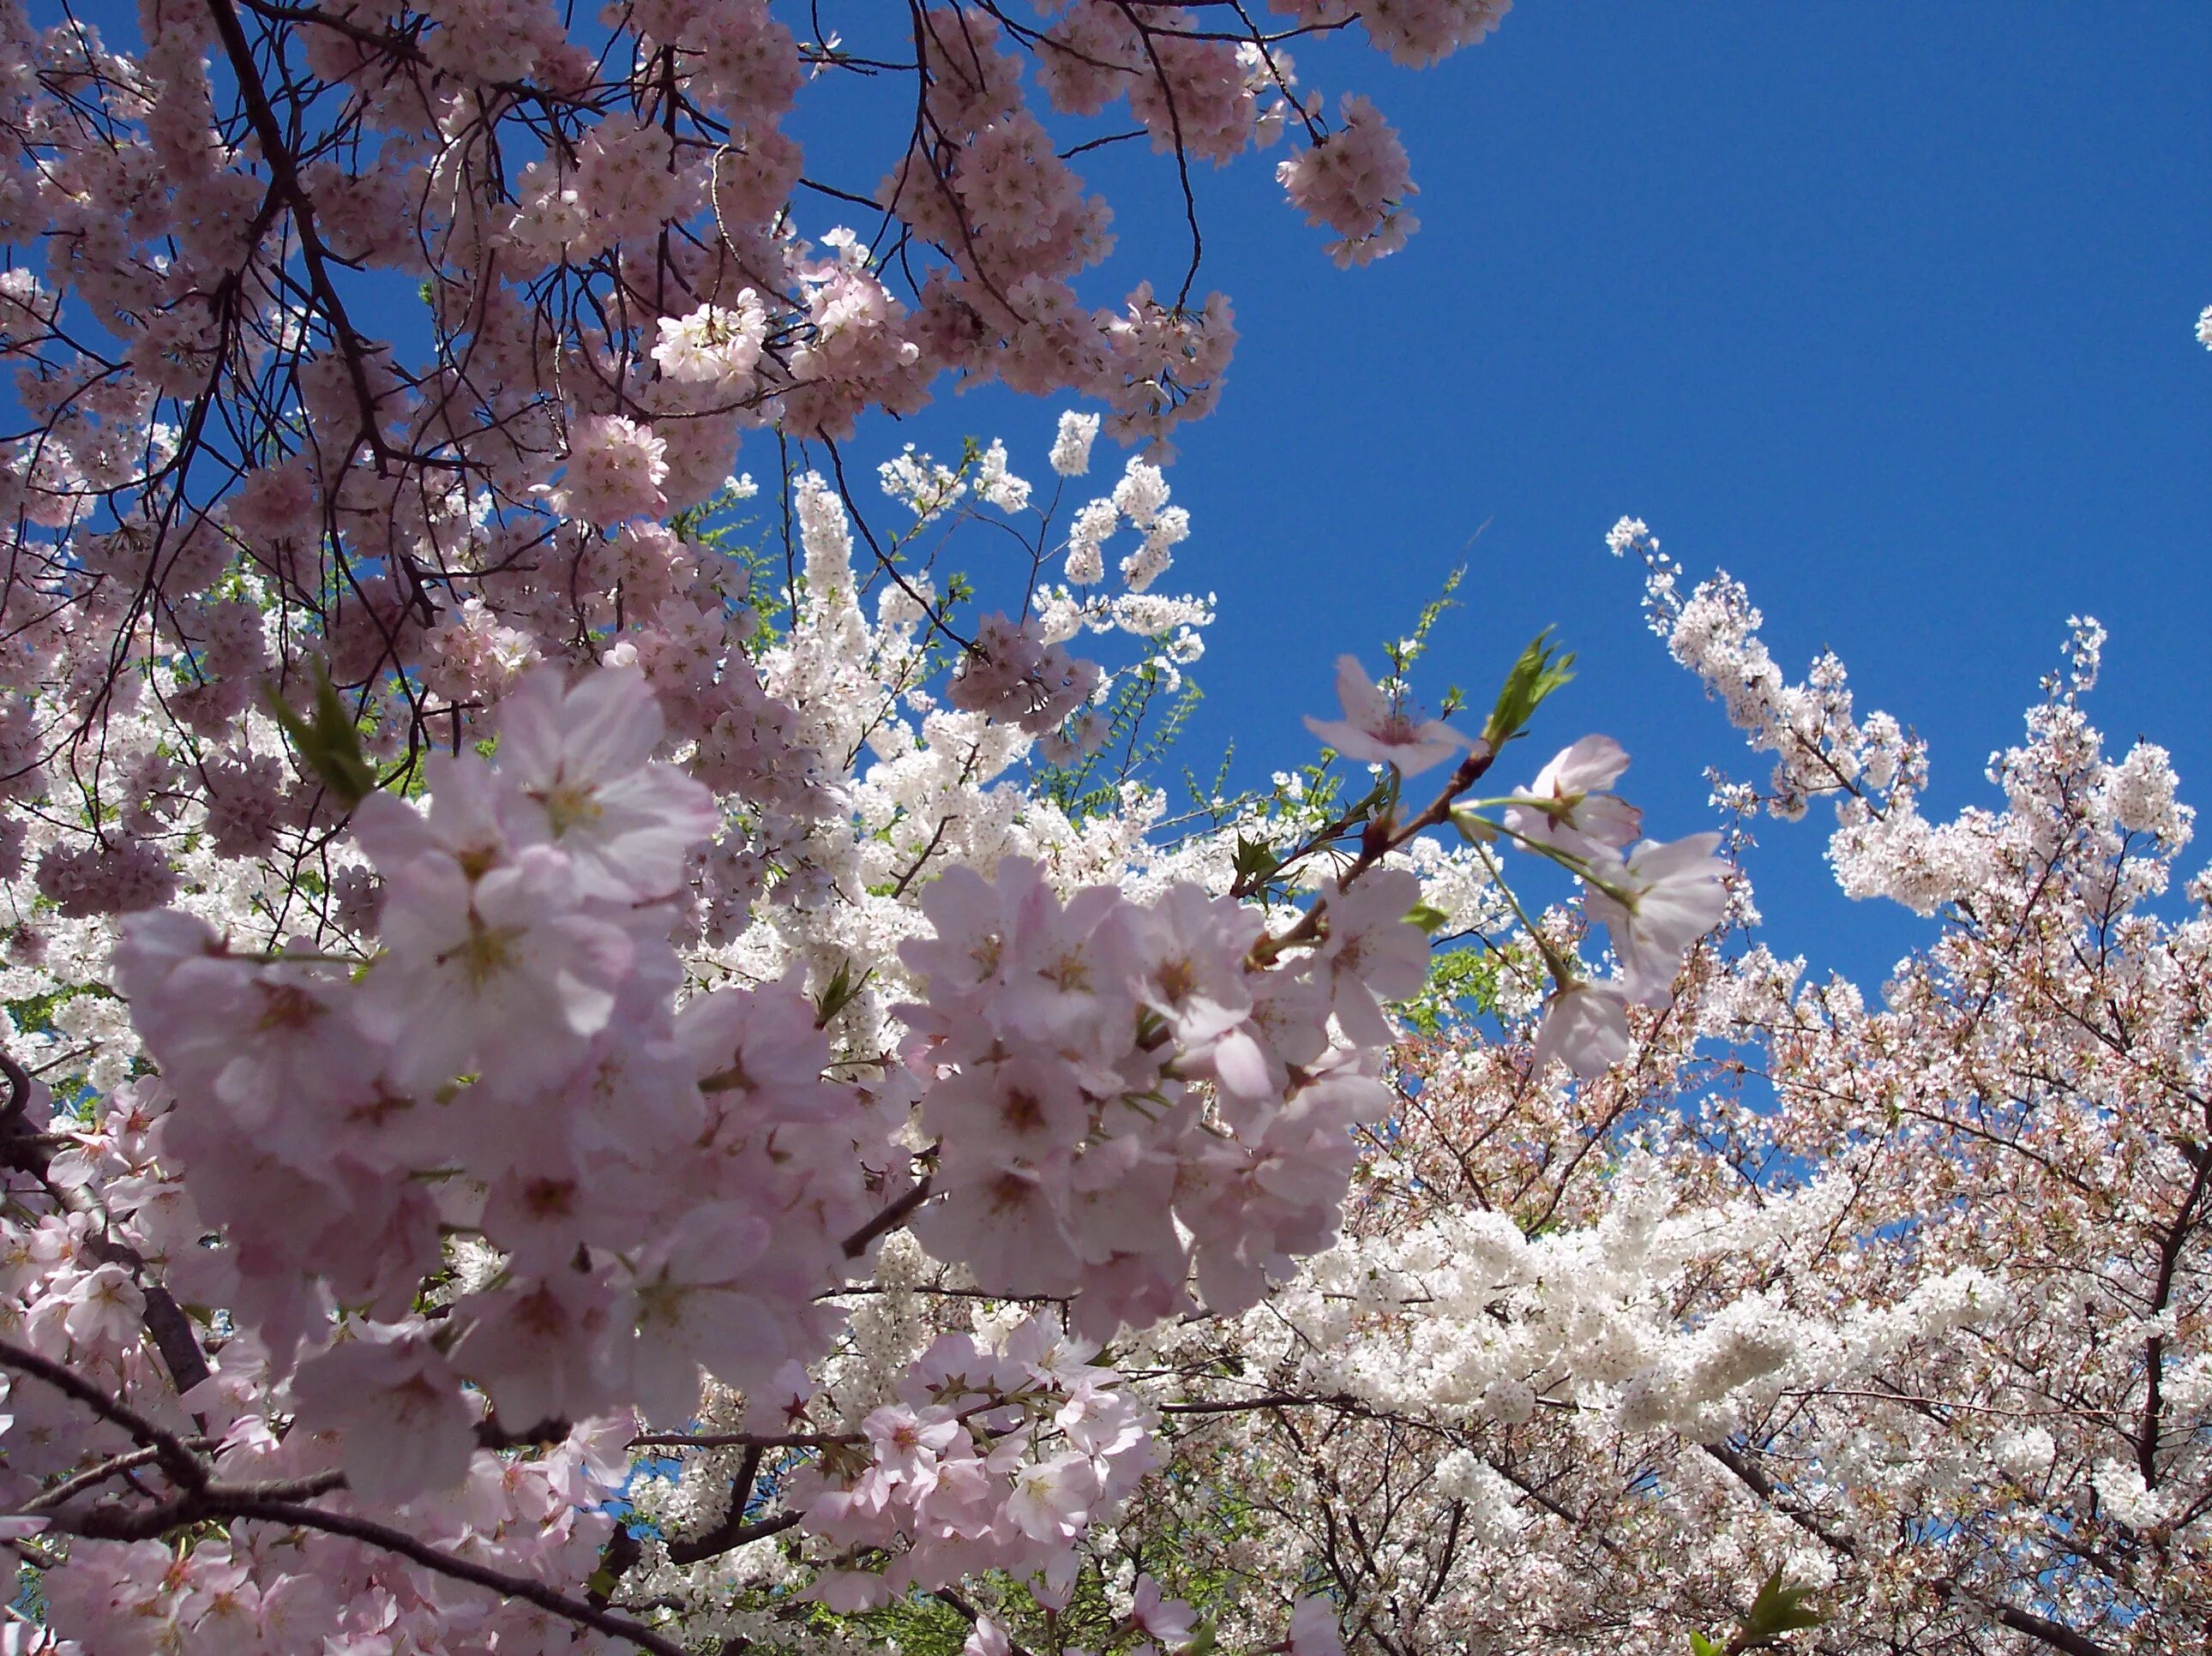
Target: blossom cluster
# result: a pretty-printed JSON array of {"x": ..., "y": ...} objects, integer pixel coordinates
[
  {"x": 612, "y": 1050},
  {"x": 599, "y": 214},
  {"x": 988, "y": 1460},
  {"x": 1065, "y": 1040},
  {"x": 1895, "y": 1301},
  {"x": 655, "y": 1190}
]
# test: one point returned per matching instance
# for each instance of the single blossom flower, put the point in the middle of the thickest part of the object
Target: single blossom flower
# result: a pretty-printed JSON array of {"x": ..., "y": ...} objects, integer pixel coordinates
[
  {"x": 577, "y": 765},
  {"x": 1314, "y": 1630},
  {"x": 1569, "y": 808},
  {"x": 1383, "y": 730},
  {"x": 1658, "y": 903},
  {"x": 406, "y": 1429},
  {"x": 1586, "y": 1027},
  {"x": 1167, "y": 1620}
]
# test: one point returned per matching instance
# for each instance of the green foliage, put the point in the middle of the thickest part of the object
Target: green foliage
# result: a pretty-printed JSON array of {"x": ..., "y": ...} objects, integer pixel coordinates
[
  {"x": 1776, "y": 1612},
  {"x": 1255, "y": 861},
  {"x": 1462, "y": 982},
  {"x": 1542, "y": 669},
  {"x": 917, "y": 1625},
  {"x": 329, "y": 744},
  {"x": 839, "y": 992},
  {"x": 1408, "y": 650}
]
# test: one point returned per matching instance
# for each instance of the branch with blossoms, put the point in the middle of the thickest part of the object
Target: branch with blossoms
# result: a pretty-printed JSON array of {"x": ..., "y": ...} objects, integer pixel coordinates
[
  {"x": 1810, "y": 1298},
  {"x": 591, "y": 1135},
  {"x": 606, "y": 220}
]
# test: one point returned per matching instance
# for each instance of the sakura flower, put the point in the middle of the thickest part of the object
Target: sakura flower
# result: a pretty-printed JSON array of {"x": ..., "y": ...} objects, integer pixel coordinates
[
  {"x": 500, "y": 975},
  {"x": 540, "y": 1348},
  {"x": 781, "y": 1406},
  {"x": 1193, "y": 946},
  {"x": 907, "y": 1444},
  {"x": 1382, "y": 729},
  {"x": 269, "y": 1042},
  {"x": 1051, "y": 1499},
  {"x": 988, "y": 1638},
  {"x": 104, "y": 1309},
  {"x": 615, "y": 469},
  {"x": 1031, "y": 1105},
  {"x": 1071, "y": 448},
  {"x": 1586, "y": 1027},
  {"x": 695, "y": 1301},
  {"x": 1166, "y": 1621},
  {"x": 1005, "y": 1219},
  {"x": 714, "y": 346},
  {"x": 1373, "y": 953},
  {"x": 1661, "y": 900},
  {"x": 222, "y": 1603},
  {"x": 462, "y": 822},
  {"x": 406, "y": 1431},
  {"x": 577, "y": 761},
  {"x": 1570, "y": 809}
]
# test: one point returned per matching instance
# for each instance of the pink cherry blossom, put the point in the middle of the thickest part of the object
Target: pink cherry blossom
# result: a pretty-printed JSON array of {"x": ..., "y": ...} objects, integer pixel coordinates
[
  {"x": 1575, "y": 812},
  {"x": 1585, "y": 1027},
  {"x": 1383, "y": 729},
  {"x": 1656, "y": 904},
  {"x": 404, "y": 1430}
]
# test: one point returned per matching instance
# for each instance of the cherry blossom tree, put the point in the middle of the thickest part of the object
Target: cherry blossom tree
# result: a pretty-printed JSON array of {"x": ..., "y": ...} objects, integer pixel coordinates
[
  {"x": 1795, "y": 1301},
  {"x": 604, "y": 1056},
  {"x": 504, "y": 981}
]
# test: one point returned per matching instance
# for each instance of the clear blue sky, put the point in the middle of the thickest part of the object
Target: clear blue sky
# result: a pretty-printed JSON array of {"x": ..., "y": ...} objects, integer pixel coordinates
[{"x": 1888, "y": 311}]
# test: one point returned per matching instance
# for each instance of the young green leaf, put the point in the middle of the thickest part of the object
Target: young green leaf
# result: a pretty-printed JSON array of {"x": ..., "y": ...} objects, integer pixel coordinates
[
  {"x": 329, "y": 744},
  {"x": 839, "y": 992},
  {"x": 1776, "y": 1611},
  {"x": 1541, "y": 670},
  {"x": 1254, "y": 860}
]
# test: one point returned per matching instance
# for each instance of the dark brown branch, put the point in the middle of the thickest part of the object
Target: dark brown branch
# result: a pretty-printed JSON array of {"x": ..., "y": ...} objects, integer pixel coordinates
[
  {"x": 888, "y": 1220},
  {"x": 2056, "y": 1634},
  {"x": 1748, "y": 1473},
  {"x": 611, "y": 1623}
]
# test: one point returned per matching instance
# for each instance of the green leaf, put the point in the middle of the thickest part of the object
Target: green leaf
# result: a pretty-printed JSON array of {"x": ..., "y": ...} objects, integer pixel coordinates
[
  {"x": 1429, "y": 918},
  {"x": 1254, "y": 860},
  {"x": 1776, "y": 1611},
  {"x": 1541, "y": 670},
  {"x": 840, "y": 992},
  {"x": 1701, "y": 1646},
  {"x": 329, "y": 744}
]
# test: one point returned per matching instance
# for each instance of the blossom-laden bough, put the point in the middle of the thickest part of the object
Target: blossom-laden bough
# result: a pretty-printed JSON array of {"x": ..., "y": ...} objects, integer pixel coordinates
[
  {"x": 615, "y": 1074},
  {"x": 1897, "y": 1302}
]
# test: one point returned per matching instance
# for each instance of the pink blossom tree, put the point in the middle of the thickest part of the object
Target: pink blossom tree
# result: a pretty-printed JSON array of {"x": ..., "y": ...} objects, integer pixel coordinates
[{"x": 593, "y": 1066}]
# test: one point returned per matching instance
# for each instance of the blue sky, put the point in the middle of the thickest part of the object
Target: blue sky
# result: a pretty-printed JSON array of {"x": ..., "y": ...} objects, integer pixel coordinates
[{"x": 1888, "y": 313}]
